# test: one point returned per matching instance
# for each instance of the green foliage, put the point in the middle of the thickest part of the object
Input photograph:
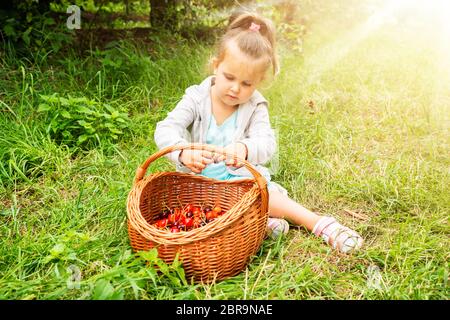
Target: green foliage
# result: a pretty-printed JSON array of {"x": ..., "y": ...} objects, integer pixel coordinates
[
  {"x": 131, "y": 275},
  {"x": 31, "y": 31},
  {"x": 142, "y": 272},
  {"x": 290, "y": 24},
  {"x": 25, "y": 153},
  {"x": 103, "y": 290},
  {"x": 82, "y": 122},
  {"x": 121, "y": 60}
]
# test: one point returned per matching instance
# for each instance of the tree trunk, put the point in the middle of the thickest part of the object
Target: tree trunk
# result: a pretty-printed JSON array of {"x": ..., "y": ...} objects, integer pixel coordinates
[
  {"x": 162, "y": 13},
  {"x": 157, "y": 10},
  {"x": 127, "y": 8}
]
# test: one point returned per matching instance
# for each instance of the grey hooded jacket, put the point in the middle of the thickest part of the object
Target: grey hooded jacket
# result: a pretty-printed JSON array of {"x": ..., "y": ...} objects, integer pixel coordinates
[{"x": 188, "y": 123}]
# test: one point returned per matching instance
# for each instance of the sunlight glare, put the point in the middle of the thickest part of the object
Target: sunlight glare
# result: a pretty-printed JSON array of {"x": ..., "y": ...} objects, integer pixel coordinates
[{"x": 436, "y": 14}]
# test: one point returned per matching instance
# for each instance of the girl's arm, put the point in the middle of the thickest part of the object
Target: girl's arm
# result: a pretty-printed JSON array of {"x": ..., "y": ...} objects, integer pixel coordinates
[
  {"x": 171, "y": 130},
  {"x": 260, "y": 138}
]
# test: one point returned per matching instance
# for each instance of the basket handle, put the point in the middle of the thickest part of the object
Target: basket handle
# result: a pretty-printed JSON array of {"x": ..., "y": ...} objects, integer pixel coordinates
[{"x": 140, "y": 172}]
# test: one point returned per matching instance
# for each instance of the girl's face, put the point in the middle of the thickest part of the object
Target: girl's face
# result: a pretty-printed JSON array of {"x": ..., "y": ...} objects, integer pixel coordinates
[{"x": 237, "y": 76}]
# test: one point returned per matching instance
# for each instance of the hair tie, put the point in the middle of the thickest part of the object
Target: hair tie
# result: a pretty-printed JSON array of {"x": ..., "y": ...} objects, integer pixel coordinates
[{"x": 254, "y": 27}]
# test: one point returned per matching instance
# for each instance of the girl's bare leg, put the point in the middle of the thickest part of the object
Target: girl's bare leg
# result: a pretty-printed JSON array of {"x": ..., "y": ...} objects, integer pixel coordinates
[
  {"x": 345, "y": 239},
  {"x": 281, "y": 206}
]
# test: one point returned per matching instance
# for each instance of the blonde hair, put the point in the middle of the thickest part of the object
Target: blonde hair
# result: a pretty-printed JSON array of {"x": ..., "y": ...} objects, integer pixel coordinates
[{"x": 255, "y": 44}]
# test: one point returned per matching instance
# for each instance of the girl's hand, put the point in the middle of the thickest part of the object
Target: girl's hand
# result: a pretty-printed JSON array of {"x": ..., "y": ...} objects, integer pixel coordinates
[
  {"x": 238, "y": 149},
  {"x": 196, "y": 160}
]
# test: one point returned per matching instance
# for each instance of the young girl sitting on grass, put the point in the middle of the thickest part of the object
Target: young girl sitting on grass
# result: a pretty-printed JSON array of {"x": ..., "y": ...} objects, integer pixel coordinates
[{"x": 227, "y": 111}]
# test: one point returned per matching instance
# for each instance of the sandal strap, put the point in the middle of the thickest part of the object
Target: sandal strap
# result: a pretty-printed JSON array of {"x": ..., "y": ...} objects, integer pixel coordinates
[
  {"x": 338, "y": 236},
  {"x": 322, "y": 224},
  {"x": 344, "y": 235}
]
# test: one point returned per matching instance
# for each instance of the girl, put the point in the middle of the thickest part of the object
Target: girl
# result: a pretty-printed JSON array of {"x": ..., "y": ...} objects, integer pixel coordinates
[{"x": 227, "y": 111}]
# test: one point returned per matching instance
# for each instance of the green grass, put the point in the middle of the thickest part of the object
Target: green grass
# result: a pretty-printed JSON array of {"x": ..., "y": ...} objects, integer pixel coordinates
[{"x": 373, "y": 142}]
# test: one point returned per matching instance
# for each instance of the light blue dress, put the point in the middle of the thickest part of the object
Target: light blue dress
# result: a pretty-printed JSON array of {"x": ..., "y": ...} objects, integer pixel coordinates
[{"x": 222, "y": 136}]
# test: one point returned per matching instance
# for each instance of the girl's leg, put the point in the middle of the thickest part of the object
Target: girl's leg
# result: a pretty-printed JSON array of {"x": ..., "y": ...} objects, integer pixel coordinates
[
  {"x": 337, "y": 235},
  {"x": 281, "y": 206}
]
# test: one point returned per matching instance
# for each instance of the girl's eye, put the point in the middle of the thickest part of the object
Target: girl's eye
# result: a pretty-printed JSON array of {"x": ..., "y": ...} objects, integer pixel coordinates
[{"x": 232, "y": 78}]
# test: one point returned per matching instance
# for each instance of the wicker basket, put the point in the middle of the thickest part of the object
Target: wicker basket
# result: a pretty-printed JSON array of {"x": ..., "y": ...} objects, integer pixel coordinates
[{"x": 221, "y": 248}]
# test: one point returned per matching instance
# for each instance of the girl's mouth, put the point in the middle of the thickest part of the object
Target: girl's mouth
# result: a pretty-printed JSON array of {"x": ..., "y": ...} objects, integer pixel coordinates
[{"x": 232, "y": 97}]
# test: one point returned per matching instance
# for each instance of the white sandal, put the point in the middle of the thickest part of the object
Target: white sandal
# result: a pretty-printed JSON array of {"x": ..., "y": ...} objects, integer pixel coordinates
[
  {"x": 277, "y": 227},
  {"x": 337, "y": 235}
]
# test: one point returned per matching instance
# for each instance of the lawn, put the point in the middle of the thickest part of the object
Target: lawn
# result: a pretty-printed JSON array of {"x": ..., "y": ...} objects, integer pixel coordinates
[{"x": 361, "y": 113}]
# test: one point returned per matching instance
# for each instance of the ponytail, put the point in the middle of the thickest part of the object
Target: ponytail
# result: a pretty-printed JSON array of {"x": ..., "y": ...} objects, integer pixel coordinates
[{"x": 254, "y": 36}]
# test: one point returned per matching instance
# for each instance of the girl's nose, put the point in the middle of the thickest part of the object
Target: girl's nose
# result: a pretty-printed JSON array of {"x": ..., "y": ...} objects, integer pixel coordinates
[{"x": 235, "y": 88}]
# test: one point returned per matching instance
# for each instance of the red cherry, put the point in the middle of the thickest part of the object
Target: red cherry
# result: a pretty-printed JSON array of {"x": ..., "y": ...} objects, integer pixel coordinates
[
  {"x": 161, "y": 223},
  {"x": 211, "y": 215},
  {"x": 196, "y": 222},
  {"x": 182, "y": 220},
  {"x": 164, "y": 214},
  {"x": 172, "y": 218},
  {"x": 197, "y": 212},
  {"x": 189, "y": 222}
]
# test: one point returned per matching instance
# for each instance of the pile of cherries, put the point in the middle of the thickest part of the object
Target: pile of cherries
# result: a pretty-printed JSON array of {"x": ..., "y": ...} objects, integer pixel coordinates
[{"x": 187, "y": 218}]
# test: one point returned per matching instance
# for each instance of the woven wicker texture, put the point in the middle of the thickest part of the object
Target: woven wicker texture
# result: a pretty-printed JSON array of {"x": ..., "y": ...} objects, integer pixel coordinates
[{"x": 221, "y": 248}]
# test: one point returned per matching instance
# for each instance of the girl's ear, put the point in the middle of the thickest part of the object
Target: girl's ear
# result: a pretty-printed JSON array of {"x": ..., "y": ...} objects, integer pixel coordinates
[{"x": 215, "y": 64}]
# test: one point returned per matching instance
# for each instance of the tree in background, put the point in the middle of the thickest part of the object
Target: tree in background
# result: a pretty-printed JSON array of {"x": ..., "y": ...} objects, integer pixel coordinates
[
  {"x": 29, "y": 25},
  {"x": 162, "y": 13}
]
